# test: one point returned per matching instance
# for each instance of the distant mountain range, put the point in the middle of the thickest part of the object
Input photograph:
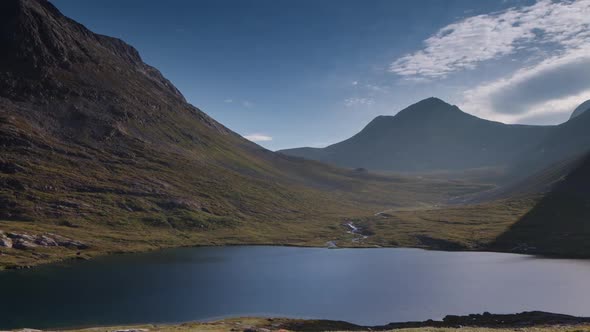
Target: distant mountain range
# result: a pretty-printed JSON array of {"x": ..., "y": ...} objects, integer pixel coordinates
[{"x": 432, "y": 135}]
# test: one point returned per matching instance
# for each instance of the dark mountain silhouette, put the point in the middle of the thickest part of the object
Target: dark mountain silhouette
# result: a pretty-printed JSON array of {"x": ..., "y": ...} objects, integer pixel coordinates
[
  {"x": 529, "y": 183},
  {"x": 429, "y": 135},
  {"x": 568, "y": 140},
  {"x": 581, "y": 109},
  {"x": 559, "y": 224}
]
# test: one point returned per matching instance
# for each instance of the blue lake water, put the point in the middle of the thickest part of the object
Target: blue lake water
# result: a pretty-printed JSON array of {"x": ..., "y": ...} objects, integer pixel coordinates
[{"x": 364, "y": 286}]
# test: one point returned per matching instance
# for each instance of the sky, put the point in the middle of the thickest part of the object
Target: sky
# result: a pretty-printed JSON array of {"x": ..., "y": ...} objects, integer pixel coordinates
[{"x": 292, "y": 73}]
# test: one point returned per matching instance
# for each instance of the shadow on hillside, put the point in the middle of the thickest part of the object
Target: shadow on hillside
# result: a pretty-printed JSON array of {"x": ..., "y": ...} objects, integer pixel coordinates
[{"x": 560, "y": 222}]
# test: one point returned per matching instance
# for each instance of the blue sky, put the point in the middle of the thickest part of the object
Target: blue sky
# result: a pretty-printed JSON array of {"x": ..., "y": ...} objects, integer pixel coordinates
[{"x": 311, "y": 73}]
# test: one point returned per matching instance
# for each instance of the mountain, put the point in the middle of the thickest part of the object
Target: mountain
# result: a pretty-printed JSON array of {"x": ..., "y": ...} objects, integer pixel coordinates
[
  {"x": 559, "y": 224},
  {"x": 568, "y": 140},
  {"x": 99, "y": 148},
  {"x": 432, "y": 135},
  {"x": 428, "y": 136},
  {"x": 581, "y": 109}
]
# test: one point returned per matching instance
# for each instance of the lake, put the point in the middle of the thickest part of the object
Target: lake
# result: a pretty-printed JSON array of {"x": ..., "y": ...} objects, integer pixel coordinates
[{"x": 363, "y": 286}]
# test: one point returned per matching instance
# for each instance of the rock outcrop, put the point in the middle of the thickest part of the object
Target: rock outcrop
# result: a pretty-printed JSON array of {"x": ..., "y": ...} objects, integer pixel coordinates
[
  {"x": 23, "y": 241},
  {"x": 5, "y": 241}
]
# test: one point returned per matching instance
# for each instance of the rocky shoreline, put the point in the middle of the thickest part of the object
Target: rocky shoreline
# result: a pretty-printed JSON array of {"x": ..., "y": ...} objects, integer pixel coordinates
[
  {"x": 39, "y": 247},
  {"x": 24, "y": 241},
  {"x": 485, "y": 320},
  {"x": 538, "y": 320}
]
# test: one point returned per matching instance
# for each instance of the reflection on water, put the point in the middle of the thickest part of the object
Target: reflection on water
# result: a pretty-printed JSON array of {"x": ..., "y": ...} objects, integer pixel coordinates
[{"x": 365, "y": 286}]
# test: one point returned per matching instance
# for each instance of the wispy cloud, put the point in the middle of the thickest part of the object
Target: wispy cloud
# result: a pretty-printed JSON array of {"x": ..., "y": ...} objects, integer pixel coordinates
[
  {"x": 258, "y": 138},
  {"x": 373, "y": 88},
  {"x": 546, "y": 92},
  {"x": 247, "y": 104},
  {"x": 552, "y": 39},
  {"x": 229, "y": 101},
  {"x": 561, "y": 26},
  {"x": 354, "y": 102}
]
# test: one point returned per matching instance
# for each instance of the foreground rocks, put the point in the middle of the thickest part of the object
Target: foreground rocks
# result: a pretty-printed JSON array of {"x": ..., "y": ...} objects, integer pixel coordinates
[
  {"x": 527, "y": 321},
  {"x": 5, "y": 241},
  {"x": 24, "y": 241},
  {"x": 485, "y": 320}
]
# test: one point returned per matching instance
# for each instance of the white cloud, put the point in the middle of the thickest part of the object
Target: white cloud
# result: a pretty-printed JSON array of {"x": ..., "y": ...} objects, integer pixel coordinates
[
  {"x": 546, "y": 92},
  {"x": 247, "y": 104},
  {"x": 560, "y": 26},
  {"x": 258, "y": 138},
  {"x": 373, "y": 88},
  {"x": 353, "y": 102},
  {"x": 229, "y": 101},
  {"x": 551, "y": 38},
  {"x": 355, "y": 82}
]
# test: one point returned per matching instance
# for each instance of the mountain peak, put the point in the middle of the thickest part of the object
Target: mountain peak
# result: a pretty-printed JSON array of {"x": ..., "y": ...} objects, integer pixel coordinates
[
  {"x": 433, "y": 100},
  {"x": 429, "y": 103},
  {"x": 428, "y": 107},
  {"x": 581, "y": 109},
  {"x": 429, "y": 110}
]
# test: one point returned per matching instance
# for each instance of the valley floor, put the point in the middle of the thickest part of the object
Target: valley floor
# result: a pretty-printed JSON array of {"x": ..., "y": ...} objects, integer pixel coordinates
[{"x": 468, "y": 227}]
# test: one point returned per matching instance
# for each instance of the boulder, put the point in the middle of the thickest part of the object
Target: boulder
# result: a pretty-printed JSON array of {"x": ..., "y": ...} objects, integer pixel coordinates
[
  {"x": 75, "y": 244},
  {"x": 63, "y": 241},
  {"x": 5, "y": 241},
  {"x": 21, "y": 236},
  {"x": 45, "y": 241},
  {"x": 23, "y": 244},
  {"x": 26, "y": 241}
]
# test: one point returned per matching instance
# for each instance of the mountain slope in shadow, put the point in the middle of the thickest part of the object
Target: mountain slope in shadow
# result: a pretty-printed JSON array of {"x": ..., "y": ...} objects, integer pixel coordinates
[
  {"x": 581, "y": 109},
  {"x": 568, "y": 140},
  {"x": 559, "y": 224}
]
